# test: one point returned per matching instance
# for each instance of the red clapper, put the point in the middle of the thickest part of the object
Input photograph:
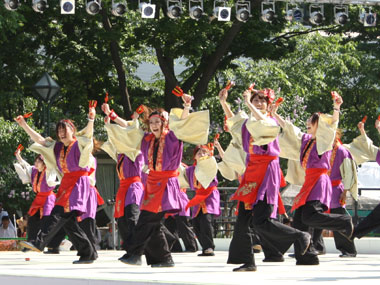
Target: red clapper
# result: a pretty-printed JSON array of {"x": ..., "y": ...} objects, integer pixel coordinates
[{"x": 177, "y": 91}]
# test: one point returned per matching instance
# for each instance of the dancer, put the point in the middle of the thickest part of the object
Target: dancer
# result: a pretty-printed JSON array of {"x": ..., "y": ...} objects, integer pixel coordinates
[
  {"x": 314, "y": 150},
  {"x": 43, "y": 186},
  {"x": 70, "y": 156},
  {"x": 258, "y": 193},
  {"x": 206, "y": 203},
  {"x": 362, "y": 149},
  {"x": 129, "y": 165},
  {"x": 162, "y": 150}
]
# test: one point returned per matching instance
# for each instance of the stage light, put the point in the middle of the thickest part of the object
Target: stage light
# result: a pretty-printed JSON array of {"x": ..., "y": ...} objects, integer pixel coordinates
[
  {"x": 221, "y": 11},
  {"x": 93, "y": 7},
  {"x": 195, "y": 9},
  {"x": 147, "y": 10},
  {"x": 316, "y": 13},
  {"x": 367, "y": 18},
  {"x": 341, "y": 14},
  {"x": 40, "y": 5},
  {"x": 243, "y": 10},
  {"x": 67, "y": 7},
  {"x": 293, "y": 12},
  {"x": 174, "y": 8},
  {"x": 268, "y": 11},
  {"x": 11, "y": 5},
  {"x": 119, "y": 8}
]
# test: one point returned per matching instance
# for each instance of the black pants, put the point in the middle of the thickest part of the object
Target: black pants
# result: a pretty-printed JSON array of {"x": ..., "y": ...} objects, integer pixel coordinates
[
  {"x": 240, "y": 250},
  {"x": 149, "y": 239},
  {"x": 58, "y": 220},
  {"x": 276, "y": 238},
  {"x": 88, "y": 225},
  {"x": 127, "y": 223},
  {"x": 179, "y": 227},
  {"x": 204, "y": 230},
  {"x": 342, "y": 244},
  {"x": 34, "y": 224},
  {"x": 317, "y": 240},
  {"x": 312, "y": 215},
  {"x": 370, "y": 223}
]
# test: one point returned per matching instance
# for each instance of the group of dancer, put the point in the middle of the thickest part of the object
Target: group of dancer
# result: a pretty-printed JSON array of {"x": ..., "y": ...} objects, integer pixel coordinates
[{"x": 153, "y": 181}]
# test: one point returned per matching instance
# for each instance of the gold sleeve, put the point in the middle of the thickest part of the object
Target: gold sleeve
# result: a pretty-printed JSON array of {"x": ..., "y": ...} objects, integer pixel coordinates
[
  {"x": 295, "y": 173},
  {"x": 349, "y": 177},
  {"x": 325, "y": 133},
  {"x": 206, "y": 170},
  {"x": 262, "y": 131},
  {"x": 290, "y": 141},
  {"x": 182, "y": 177},
  {"x": 86, "y": 146},
  {"x": 194, "y": 129},
  {"x": 47, "y": 151},
  {"x": 362, "y": 149},
  {"x": 235, "y": 124},
  {"x": 233, "y": 163},
  {"x": 124, "y": 140}
]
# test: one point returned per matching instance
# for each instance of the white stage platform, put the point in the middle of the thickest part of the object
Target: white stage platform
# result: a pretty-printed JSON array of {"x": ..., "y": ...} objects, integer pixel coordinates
[{"x": 44, "y": 269}]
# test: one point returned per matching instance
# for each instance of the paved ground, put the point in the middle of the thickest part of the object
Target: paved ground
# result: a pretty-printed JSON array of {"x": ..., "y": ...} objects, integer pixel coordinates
[{"x": 190, "y": 269}]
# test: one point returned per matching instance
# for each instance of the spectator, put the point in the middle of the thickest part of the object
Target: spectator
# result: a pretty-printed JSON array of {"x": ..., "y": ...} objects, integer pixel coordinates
[
  {"x": 7, "y": 230},
  {"x": 2, "y": 213}
]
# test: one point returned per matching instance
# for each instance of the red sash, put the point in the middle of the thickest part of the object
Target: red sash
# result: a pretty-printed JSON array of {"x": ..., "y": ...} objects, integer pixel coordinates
[
  {"x": 155, "y": 188},
  {"x": 335, "y": 183},
  {"x": 98, "y": 197},
  {"x": 253, "y": 177},
  {"x": 39, "y": 202},
  {"x": 67, "y": 185},
  {"x": 201, "y": 194},
  {"x": 122, "y": 193},
  {"x": 312, "y": 176}
]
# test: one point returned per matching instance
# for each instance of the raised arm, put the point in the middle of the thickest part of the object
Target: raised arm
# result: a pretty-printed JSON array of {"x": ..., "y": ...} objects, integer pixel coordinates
[
  {"x": 219, "y": 148},
  {"x": 223, "y": 94},
  {"x": 337, "y": 102},
  {"x": 36, "y": 137},
  {"x": 113, "y": 116},
  {"x": 255, "y": 112},
  {"x": 186, "y": 105},
  {"x": 361, "y": 128}
]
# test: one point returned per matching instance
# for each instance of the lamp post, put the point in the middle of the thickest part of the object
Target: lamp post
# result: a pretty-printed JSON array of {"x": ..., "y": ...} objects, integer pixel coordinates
[{"x": 47, "y": 89}]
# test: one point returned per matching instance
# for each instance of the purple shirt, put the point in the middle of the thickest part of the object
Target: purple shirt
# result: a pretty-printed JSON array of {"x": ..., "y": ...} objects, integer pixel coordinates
[
  {"x": 270, "y": 186},
  {"x": 81, "y": 191},
  {"x": 322, "y": 189},
  {"x": 92, "y": 201},
  {"x": 135, "y": 192},
  {"x": 171, "y": 160},
  {"x": 341, "y": 154},
  {"x": 212, "y": 202},
  {"x": 50, "y": 200}
]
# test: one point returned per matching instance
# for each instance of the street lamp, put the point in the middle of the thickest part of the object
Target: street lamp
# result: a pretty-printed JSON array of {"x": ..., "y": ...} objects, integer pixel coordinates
[{"x": 47, "y": 89}]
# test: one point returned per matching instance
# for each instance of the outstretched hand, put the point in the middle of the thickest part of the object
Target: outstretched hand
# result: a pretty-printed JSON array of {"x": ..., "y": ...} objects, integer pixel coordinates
[
  {"x": 91, "y": 113},
  {"x": 187, "y": 99},
  {"x": 223, "y": 94},
  {"x": 20, "y": 120},
  {"x": 106, "y": 108},
  {"x": 247, "y": 96}
]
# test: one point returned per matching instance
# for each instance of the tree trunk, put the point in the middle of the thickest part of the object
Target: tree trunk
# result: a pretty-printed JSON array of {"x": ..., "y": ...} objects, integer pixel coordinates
[{"x": 115, "y": 54}]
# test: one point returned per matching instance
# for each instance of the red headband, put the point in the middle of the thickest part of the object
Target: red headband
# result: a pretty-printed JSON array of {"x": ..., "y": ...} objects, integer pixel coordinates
[
  {"x": 70, "y": 124},
  {"x": 158, "y": 116}
]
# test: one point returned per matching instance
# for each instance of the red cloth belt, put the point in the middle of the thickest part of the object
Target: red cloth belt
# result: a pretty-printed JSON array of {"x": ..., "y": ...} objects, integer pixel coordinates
[
  {"x": 312, "y": 177},
  {"x": 67, "y": 185},
  {"x": 200, "y": 195},
  {"x": 98, "y": 197},
  {"x": 335, "y": 183},
  {"x": 253, "y": 178},
  {"x": 39, "y": 202},
  {"x": 122, "y": 193},
  {"x": 155, "y": 188}
]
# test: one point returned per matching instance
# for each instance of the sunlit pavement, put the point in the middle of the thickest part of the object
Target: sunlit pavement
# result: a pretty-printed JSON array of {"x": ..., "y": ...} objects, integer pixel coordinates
[{"x": 37, "y": 268}]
